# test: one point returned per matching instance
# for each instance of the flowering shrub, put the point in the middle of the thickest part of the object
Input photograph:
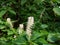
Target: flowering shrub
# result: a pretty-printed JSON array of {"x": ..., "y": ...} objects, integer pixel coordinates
[{"x": 45, "y": 29}]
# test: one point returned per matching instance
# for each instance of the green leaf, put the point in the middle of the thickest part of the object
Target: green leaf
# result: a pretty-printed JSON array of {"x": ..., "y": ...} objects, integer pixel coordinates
[
  {"x": 20, "y": 40},
  {"x": 41, "y": 40},
  {"x": 43, "y": 33},
  {"x": 44, "y": 26},
  {"x": 2, "y": 26},
  {"x": 23, "y": 1},
  {"x": 57, "y": 11},
  {"x": 12, "y": 11},
  {"x": 52, "y": 37},
  {"x": 38, "y": 1},
  {"x": 10, "y": 32},
  {"x": 58, "y": 1},
  {"x": 34, "y": 43},
  {"x": 35, "y": 35},
  {"x": 48, "y": 44},
  {"x": 2, "y": 12}
]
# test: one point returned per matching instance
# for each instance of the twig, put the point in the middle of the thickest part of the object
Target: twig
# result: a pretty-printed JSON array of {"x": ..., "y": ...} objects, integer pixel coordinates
[{"x": 42, "y": 13}]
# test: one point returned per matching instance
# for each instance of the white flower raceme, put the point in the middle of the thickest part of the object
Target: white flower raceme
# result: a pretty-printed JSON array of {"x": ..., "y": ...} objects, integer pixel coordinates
[
  {"x": 9, "y": 22},
  {"x": 20, "y": 29},
  {"x": 29, "y": 26}
]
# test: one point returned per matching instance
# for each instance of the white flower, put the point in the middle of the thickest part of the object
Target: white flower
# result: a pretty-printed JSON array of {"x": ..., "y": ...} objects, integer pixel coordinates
[
  {"x": 14, "y": 36},
  {"x": 9, "y": 22},
  {"x": 21, "y": 26},
  {"x": 29, "y": 26},
  {"x": 20, "y": 29}
]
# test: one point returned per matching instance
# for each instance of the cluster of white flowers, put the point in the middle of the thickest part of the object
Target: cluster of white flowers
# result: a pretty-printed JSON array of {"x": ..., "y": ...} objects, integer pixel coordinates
[
  {"x": 21, "y": 26},
  {"x": 29, "y": 26},
  {"x": 9, "y": 22},
  {"x": 20, "y": 29}
]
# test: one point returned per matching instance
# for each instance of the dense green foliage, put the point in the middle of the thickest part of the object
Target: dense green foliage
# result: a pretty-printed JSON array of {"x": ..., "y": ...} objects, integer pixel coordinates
[{"x": 46, "y": 28}]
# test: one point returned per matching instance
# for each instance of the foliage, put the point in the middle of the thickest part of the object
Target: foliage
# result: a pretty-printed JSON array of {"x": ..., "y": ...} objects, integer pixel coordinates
[{"x": 46, "y": 28}]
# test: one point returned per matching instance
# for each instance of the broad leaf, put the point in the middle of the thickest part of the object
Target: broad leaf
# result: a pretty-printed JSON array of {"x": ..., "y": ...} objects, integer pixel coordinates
[
  {"x": 2, "y": 26},
  {"x": 10, "y": 32},
  {"x": 41, "y": 40},
  {"x": 12, "y": 11},
  {"x": 58, "y": 1},
  {"x": 56, "y": 11},
  {"x": 2, "y": 12},
  {"x": 44, "y": 26},
  {"x": 38, "y": 1},
  {"x": 35, "y": 35},
  {"x": 48, "y": 44},
  {"x": 23, "y": 1},
  {"x": 52, "y": 37}
]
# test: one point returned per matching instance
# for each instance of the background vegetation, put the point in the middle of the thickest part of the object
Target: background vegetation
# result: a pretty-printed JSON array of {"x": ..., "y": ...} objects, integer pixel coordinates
[{"x": 46, "y": 28}]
